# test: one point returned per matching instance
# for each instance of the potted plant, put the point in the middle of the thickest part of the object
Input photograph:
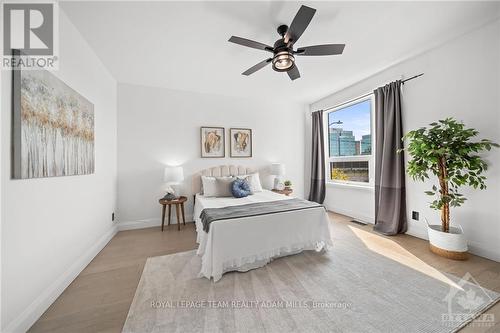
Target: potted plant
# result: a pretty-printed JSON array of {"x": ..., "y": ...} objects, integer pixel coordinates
[
  {"x": 288, "y": 185},
  {"x": 446, "y": 151}
]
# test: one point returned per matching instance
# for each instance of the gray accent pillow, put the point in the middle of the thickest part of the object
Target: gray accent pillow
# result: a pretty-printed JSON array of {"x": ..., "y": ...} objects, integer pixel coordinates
[
  {"x": 217, "y": 186},
  {"x": 223, "y": 187}
]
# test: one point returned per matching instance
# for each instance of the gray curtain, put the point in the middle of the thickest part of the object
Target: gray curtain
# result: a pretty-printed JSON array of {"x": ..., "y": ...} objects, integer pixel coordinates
[
  {"x": 390, "y": 194},
  {"x": 317, "y": 191}
]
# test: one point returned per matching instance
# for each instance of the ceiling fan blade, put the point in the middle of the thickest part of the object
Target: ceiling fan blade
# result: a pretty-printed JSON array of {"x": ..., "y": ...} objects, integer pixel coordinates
[
  {"x": 294, "y": 73},
  {"x": 320, "y": 50},
  {"x": 250, "y": 43},
  {"x": 255, "y": 68},
  {"x": 299, "y": 24}
]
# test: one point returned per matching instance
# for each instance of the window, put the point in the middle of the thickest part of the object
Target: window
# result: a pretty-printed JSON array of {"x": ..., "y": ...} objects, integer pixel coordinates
[{"x": 350, "y": 142}]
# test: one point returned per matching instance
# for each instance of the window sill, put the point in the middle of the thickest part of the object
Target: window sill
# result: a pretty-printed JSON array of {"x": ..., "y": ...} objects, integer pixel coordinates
[{"x": 369, "y": 187}]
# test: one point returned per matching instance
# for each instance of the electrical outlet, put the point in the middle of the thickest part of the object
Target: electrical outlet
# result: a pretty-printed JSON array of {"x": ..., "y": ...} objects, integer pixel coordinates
[
  {"x": 112, "y": 216},
  {"x": 414, "y": 215}
]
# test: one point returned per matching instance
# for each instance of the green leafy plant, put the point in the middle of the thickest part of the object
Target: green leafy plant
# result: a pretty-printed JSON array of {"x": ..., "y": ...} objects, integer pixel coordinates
[
  {"x": 446, "y": 151},
  {"x": 287, "y": 183}
]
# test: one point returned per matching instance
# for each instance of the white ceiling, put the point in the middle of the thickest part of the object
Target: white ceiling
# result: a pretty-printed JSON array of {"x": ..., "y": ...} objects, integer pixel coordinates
[{"x": 183, "y": 45}]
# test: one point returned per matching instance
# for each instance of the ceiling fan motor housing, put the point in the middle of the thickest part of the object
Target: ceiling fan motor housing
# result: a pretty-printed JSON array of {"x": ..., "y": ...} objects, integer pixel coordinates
[
  {"x": 282, "y": 29},
  {"x": 283, "y": 59}
]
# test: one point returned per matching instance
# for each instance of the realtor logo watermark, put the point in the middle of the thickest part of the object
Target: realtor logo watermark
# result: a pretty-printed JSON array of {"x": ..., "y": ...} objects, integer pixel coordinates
[
  {"x": 466, "y": 303},
  {"x": 249, "y": 304},
  {"x": 30, "y": 35}
]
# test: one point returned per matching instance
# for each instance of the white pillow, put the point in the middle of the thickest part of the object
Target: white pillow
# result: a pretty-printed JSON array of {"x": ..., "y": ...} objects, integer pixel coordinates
[
  {"x": 207, "y": 184},
  {"x": 254, "y": 182},
  {"x": 216, "y": 186}
]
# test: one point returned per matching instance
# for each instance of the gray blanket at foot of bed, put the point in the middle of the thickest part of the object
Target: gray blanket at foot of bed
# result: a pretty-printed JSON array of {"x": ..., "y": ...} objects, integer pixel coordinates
[{"x": 209, "y": 215}]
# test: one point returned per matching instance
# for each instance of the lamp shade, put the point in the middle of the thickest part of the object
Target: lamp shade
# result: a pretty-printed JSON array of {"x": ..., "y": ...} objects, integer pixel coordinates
[
  {"x": 173, "y": 175},
  {"x": 277, "y": 169}
]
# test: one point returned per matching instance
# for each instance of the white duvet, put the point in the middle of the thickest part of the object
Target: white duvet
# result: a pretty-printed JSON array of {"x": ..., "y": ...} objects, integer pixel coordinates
[{"x": 246, "y": 243}]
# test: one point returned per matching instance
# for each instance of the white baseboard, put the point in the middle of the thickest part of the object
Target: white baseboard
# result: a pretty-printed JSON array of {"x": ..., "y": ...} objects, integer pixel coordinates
[
  {"x": 478, "y": 250},
  {"x": 31, "y": 314},
  {"x": 419, "y": 230},
  {"x": 147, "y": 223},
  {"x": 353, "y": 214}
]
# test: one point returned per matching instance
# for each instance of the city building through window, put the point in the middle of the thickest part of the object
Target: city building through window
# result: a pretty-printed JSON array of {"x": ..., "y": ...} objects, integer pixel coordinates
[{"x": 350, "y": 141}]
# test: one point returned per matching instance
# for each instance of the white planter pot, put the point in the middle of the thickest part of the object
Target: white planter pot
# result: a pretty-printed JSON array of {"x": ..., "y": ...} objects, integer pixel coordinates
[{"x": 452, "y": 244}]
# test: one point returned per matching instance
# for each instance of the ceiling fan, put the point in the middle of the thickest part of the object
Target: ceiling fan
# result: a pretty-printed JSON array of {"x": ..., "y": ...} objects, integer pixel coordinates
[{"x": 283, "y": 59}]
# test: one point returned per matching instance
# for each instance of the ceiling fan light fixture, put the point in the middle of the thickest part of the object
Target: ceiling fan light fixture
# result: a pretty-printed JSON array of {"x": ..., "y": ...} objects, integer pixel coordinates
[{"x": 283, "y": 61}]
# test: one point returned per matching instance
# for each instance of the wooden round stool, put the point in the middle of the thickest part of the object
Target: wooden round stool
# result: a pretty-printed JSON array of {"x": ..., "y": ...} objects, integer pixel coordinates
[{"x": 179, "y": 207}]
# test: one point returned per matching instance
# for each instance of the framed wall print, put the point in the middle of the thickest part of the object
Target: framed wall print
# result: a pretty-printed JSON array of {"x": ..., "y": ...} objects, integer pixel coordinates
[
  {"x": 212, "y": 142},
  {"x": 241, "y": 142}
]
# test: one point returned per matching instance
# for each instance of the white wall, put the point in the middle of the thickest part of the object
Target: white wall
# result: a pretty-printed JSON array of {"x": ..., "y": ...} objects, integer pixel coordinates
[
  {"x": 461, "y": 80},
  {"x": 158, "y": 127},
  {"x": 52, "y": 227}
]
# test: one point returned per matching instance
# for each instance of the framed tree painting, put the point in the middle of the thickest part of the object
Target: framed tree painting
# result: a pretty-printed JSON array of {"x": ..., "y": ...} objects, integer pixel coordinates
[
  {"x": 53, "y": 127},
  {"x": 241, "y": 142},
  {"x": 212, "y": 142}
]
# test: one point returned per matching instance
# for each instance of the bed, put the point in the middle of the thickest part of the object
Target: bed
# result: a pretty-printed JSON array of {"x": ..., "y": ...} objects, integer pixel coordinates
[{"x": 244, "y": 243}]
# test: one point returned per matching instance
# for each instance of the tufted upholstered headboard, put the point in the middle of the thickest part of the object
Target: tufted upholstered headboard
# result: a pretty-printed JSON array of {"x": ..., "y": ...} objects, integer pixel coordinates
[{"x": 218, "y": 171}]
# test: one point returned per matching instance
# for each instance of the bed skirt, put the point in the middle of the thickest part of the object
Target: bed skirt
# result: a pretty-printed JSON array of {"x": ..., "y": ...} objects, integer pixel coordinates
[{"x": 259, "y": 260}]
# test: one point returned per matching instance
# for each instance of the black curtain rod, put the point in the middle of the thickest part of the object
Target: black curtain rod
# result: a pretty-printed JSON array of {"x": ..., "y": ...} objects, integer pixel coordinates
[
  {"x": 411, "y": 78},
  {"x": 368, "y": 94}
]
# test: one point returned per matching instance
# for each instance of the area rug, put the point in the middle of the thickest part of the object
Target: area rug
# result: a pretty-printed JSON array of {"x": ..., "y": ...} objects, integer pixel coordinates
[{"x": 351, "y": 288}]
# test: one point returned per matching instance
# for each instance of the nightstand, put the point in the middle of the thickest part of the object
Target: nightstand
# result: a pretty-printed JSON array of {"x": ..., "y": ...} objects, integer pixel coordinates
[
  {"x": 285, "y": 191},
  {"x": 179, "y": 208}
]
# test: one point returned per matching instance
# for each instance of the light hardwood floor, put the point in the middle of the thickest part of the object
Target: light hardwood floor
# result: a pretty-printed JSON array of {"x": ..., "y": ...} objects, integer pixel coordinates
[{"x": 99, "y": 298}]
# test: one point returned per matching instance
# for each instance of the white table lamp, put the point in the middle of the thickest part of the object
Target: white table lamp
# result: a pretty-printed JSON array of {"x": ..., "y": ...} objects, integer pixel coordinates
[
  {"x": 278, "y": 170},
  {"x": 172, "y": 176}
]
